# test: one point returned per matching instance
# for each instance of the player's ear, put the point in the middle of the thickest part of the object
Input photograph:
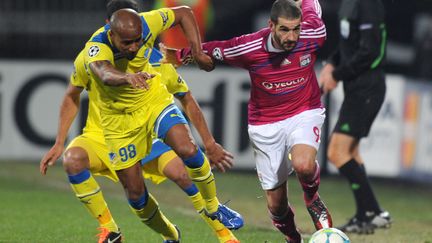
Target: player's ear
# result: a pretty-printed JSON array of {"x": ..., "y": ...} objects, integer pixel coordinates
[{"x": 271, "y": 25}]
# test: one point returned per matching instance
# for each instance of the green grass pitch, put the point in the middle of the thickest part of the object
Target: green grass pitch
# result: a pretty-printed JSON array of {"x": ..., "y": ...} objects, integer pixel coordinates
[{"x": 35, "y": 208}]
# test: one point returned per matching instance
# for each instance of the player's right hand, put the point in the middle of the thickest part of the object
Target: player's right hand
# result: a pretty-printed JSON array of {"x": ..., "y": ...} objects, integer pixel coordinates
[
  {"x": 50, "y": 158},
  {"x": 204, "y": 61},
  {"x": 139, "y": 80}
]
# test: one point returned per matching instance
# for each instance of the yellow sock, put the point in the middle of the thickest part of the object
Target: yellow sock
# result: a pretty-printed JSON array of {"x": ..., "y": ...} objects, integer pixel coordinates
[
  {"x": 197, "y": 202},
  {"x": 223, "y": 233},
  {"x": 154, "y": 218},
  {"x": 204, "y": 180},
  {"x": 89, "y": 193}
]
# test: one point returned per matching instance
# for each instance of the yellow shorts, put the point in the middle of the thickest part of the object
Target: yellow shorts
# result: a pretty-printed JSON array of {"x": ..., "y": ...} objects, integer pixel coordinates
[
  {"x": 128, "y": 137},
  {"x": 100, "y": 165}
]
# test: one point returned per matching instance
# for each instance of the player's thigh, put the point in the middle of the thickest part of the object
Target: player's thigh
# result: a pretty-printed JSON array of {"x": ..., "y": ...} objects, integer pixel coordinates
[
  {"x": 172, "y": 127},
  {"x": 305, "y": 128},
  {"x": 268, "y": 143},
  {"x": 128, "y": 148},
  {"x": 168, "y": 118}
]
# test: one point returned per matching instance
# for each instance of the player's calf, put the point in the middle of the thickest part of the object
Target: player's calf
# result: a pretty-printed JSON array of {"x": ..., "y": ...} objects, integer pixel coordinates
[{"x": 287, "y": 226}]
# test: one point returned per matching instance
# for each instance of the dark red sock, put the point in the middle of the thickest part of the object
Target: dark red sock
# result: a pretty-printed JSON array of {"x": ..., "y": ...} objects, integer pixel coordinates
[{"x": 286, "y": 225}]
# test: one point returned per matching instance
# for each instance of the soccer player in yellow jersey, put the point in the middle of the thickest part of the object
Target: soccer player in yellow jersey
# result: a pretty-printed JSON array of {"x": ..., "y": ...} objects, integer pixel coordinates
[
  {"x": 87, "y": 153},
  {"x": 117, "y": 56},
  {"x": 218, "y": 153}
]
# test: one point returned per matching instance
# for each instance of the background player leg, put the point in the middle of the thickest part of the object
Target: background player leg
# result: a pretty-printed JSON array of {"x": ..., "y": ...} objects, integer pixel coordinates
[
  {"x": 175, "y": 171},
  {"x": 87, "y": 190},
  {"x": 343, "y": 153},
  {"x": 144, "y": 205},
  {"x": 180, "y": 140}
]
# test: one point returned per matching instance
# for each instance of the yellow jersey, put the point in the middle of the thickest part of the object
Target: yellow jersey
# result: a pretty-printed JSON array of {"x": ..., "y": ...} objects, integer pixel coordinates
[
  {"x": 124, "y": 99},
  {"x": 81, "y": 78}
]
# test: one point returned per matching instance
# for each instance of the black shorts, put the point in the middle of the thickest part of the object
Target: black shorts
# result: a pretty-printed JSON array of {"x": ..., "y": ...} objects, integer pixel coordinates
[{"x": 360, "y": 108}]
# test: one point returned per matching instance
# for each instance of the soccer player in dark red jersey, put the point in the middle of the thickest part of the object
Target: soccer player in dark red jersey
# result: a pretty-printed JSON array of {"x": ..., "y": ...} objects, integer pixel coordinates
[{"x": 285, "y": 110}]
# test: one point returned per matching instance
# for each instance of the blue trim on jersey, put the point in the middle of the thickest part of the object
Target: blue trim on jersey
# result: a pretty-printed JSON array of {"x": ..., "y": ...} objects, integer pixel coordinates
[
  {"x": 192, "y": 190},
  {"x": 146, "y": 53},
  {"x": 141, "y": 202},
  {"x": 195, "y": 161},
  {"x": 80, "y": 177},
  {"x": 155, "y": 56},
  {"x": 169, "y": 117},
  {"x": 146, "y": 30},
  {"x": 180, "y": 94},
  {"x": 157, "y": 150},
  {"x": 102, "y": 37}
]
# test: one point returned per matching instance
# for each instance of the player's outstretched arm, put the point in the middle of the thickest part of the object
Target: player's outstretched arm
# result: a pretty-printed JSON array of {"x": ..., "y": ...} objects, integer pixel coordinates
[
  {"x": 112, "y": 77},
  {"x": 68, "y": 111},
  {"x": 186, "y": 19},
  {"x": 217, "y": 155}
]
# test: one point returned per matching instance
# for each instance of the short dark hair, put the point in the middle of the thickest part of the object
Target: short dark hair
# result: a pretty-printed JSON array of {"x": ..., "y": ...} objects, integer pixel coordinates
[
  {"x": 114, "y": 5},
  {"x": 286, "y": 9}
]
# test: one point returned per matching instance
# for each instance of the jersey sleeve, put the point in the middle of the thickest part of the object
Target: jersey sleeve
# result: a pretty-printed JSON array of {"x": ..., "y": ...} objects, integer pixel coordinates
[
  {"x": 97, "y": 51},
  {"x": 229, "y": 51},
  {"x": 372, "y": 42},
  {"x": 312, "y": 26},
  {"x": 79, "y": 77},
  {"x": 173, "y": 81},
  {"x": 156, "y": 21}
]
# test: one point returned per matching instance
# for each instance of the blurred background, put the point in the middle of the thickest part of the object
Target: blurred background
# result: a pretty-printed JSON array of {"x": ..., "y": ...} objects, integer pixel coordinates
[
  {"x": 57, "y": 29},
  {"x": 39, "y": 40}
]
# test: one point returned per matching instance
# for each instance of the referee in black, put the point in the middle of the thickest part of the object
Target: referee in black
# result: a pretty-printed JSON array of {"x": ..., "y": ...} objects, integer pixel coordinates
[{"x": 358, "y": 64}]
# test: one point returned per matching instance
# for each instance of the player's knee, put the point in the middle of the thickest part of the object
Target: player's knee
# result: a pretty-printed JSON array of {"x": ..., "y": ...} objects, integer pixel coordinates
[
  {"x": 304, "y": 166},
  {"x": 138, "y": 200},
  {"x": 334, "y": 155},
  {"x": 196, "y": 160},
  {"x": 75, "y": 160},
  {"x": 181, "y": 179},
  {"x": 187, "y": 150}
]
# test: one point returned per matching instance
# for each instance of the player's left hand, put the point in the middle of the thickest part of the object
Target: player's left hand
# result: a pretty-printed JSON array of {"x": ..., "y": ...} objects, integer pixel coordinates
[
  {"x": 50, "y": 158},
  {"x": 219, "y": 157},
  {"x": 326, "y": 80}
]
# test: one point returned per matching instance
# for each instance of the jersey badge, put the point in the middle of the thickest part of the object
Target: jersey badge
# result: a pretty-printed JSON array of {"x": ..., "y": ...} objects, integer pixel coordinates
[
  {"x": 217, "y": 54},
  {"x": 93, "y": 51},
  {"x": 164, "y": 17},
  {"x": 305, "y": 60},
  {"x": 344, "y": 28},
  {"x": 112, "y": 156}
]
